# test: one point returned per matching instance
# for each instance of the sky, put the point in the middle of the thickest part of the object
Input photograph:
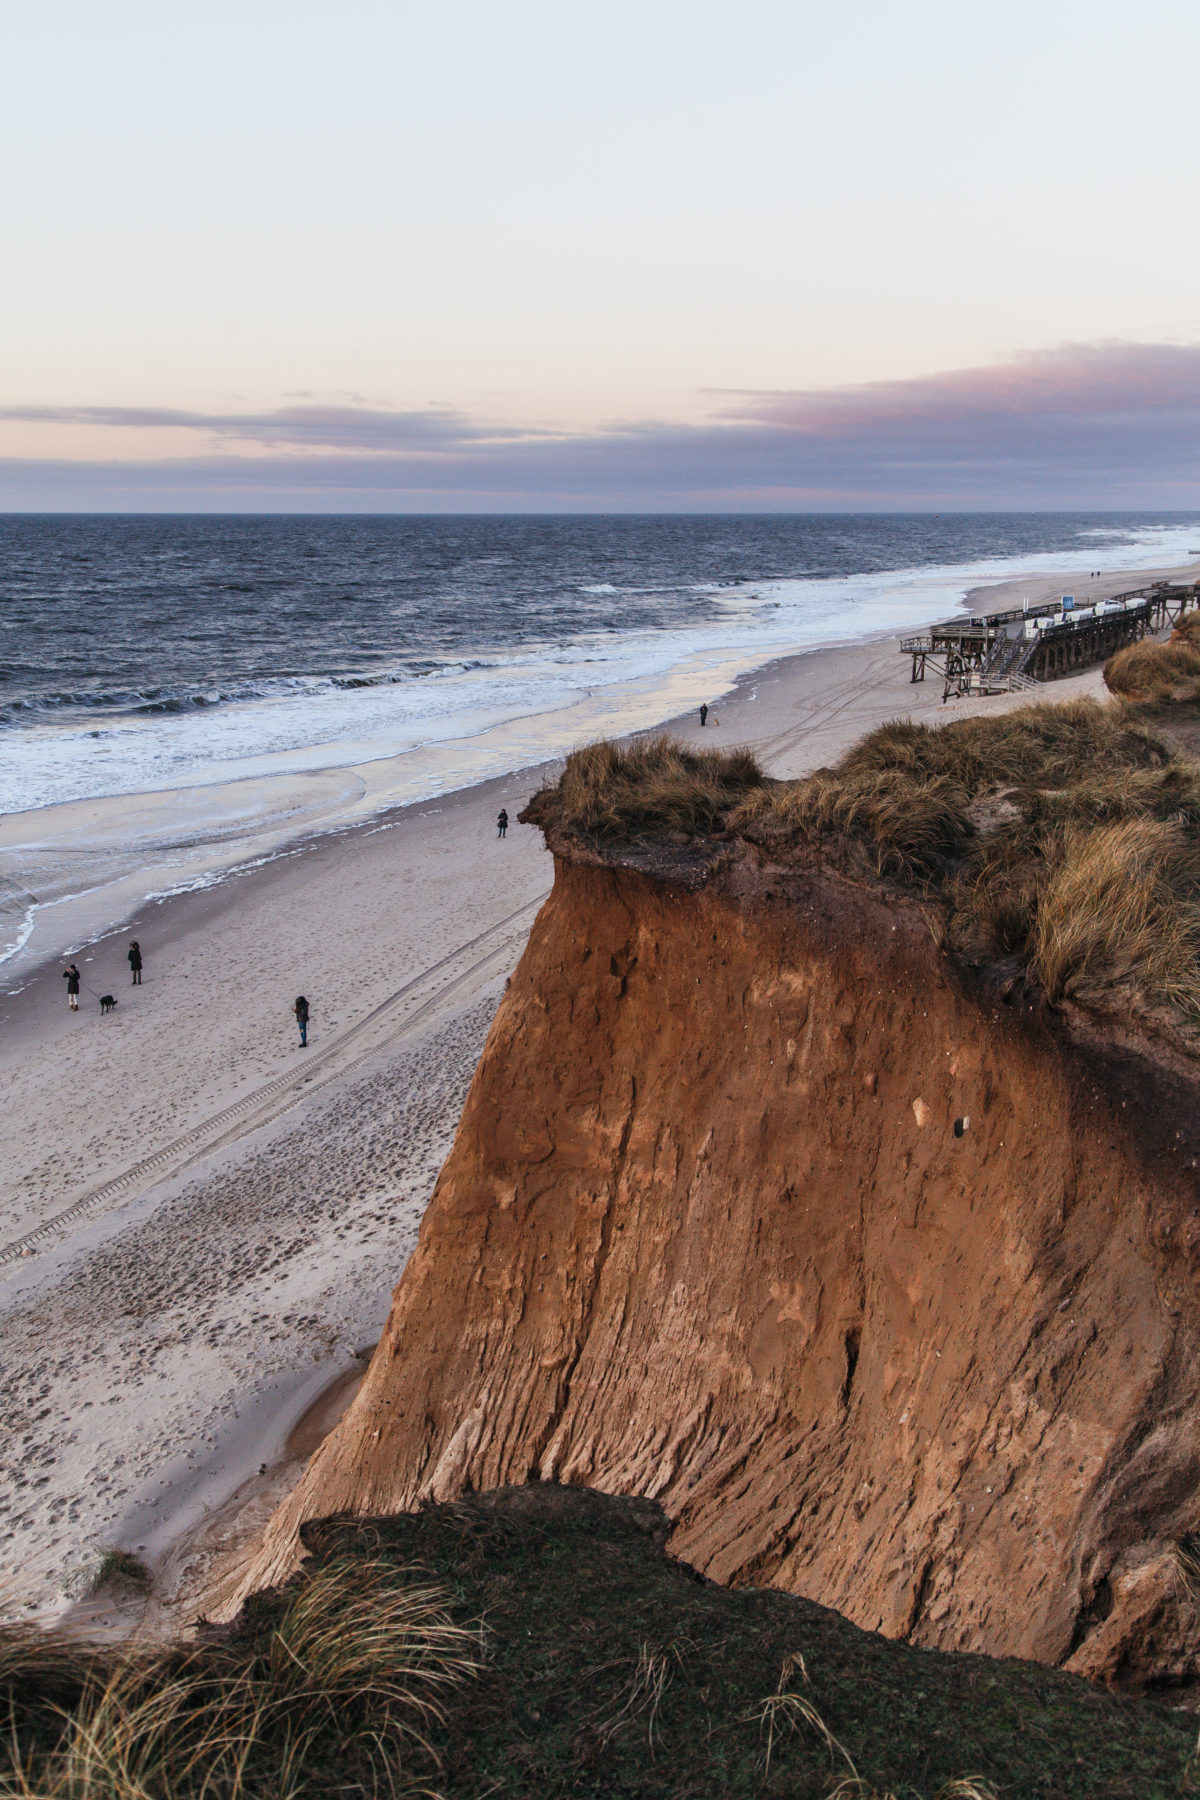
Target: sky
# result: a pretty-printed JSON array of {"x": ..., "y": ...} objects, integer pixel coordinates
[{"x": 652, "y": 256}]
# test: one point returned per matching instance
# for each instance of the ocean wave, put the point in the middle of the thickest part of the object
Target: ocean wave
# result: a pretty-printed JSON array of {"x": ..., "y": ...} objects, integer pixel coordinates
[
  {"x": 83, "y": 741},
  {"x": 33, "y": 709},
  {"x": 27, "y": 708}
]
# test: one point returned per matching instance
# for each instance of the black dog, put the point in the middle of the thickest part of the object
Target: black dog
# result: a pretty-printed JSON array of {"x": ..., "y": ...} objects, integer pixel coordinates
[{"x": 107, "y": 1003}]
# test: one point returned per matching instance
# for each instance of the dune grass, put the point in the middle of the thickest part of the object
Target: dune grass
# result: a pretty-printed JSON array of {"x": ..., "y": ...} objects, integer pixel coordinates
[
  {"x": 1155, "y": 674},
  {"x": 345, "y": 1672},
  {"x": 1152, "y": 674},
  {"x": 655, "y": 786},
  {"x": 1043, "y": 742},
  {"x": 1117, "y": 912},
  {"x": 1065, "y": 837},
  {"x": 908, "y": 823},
  {"x": 536, "y": 1643}
]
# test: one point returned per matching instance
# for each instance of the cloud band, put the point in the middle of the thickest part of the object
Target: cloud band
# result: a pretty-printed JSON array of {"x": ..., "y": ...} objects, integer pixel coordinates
[{"x": 1083, "y": 427}]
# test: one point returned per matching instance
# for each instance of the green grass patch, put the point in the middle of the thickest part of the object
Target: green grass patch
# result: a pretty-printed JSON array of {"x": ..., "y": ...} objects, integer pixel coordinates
[
  {"x": 537, "y": 1644},
  {"x": 117, "y": 1566}
]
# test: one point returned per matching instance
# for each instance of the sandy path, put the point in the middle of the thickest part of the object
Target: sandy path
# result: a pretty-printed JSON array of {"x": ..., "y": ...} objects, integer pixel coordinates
[{"x": 231, "y": 1218}]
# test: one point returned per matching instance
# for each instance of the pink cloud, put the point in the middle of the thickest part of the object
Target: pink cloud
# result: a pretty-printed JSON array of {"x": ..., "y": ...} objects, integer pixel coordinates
[
  {"x": 1083, "y": 427},
  {"x": 1077, "y": 380}
]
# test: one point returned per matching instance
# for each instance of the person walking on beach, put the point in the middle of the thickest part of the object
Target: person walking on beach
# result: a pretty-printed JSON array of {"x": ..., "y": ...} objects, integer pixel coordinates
[
  {"x": 704, "y": 714},
  {"x": 72, "y": 978},
  {"x": 502, "y": 824},
  {"x": 301, "y": 1011},
  {"x": 135, "y": 963}
]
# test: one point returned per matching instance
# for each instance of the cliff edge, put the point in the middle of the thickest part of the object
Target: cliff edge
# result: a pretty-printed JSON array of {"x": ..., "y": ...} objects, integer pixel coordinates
[{"x": 878, "y": 1271}]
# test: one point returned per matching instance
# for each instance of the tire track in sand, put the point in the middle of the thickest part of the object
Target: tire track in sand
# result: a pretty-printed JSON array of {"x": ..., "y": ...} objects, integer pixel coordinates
[{"x": 824, "y": 708}]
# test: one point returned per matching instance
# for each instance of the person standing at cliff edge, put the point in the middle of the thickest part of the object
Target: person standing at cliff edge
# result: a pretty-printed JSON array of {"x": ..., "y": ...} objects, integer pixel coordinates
[
  {"x": 502, "y": 823},
  {"x": 301, "y": 1011},
  {"x": 135, "y": 963},
  {"x": 72, "y": 978},
  {"x": 704, "y": 714}
]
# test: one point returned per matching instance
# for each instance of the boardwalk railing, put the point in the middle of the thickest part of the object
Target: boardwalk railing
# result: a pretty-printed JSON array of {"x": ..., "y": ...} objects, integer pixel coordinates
[{"x": 996, "y": 653}]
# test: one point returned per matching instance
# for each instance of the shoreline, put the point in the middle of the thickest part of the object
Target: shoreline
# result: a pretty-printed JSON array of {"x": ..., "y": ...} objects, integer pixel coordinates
[
  {"x": 154, "y": 1342},
  {"x": 189, "y": 903},
  {"x": 132, "y": 841}
]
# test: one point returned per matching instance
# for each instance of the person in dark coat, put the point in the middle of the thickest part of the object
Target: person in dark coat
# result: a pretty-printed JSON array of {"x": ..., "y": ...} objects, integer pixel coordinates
[
  {"x": 301, "y": 1011},
  {"x": 135, "y": 963},
  {"x": 704, "y": 713},
  {"x": 71, "y": 977},
  {"x": 502, "y": 823}
]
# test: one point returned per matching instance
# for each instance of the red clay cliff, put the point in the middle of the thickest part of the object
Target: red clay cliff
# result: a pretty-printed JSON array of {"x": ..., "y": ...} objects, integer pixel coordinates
[{"x": 881, "y": 1276}]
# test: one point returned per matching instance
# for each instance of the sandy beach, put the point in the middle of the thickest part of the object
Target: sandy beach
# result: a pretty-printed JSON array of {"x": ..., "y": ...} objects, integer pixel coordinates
[{"x": 201, "y": 1223}]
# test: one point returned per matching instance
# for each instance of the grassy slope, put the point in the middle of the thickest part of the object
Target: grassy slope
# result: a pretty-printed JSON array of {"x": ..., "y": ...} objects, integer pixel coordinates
[
  {"x": 606, "y": 1671},
  {"x": 612, "y": 1671}
]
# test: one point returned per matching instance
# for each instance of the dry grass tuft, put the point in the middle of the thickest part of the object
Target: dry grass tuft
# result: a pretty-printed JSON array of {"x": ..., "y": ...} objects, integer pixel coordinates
[
  {"x": 968, "y": 1787},
  {"x": 1063, "y": 836},
  {"x": 786, "y": 1712},
  {"x": 1044, "y": 743},
  {"x": 357, "y": 1663},
  {"x": 656, "y": 786},
  {"x": 1187, "y": 1565},
  {"x": 644, "y": 1695},
  {"x": 121, "y": 1566},
  {"x": 1156, "y": 674},
  {"x": 1118, "y": 914},
  {"x": 910, "y": 825}
]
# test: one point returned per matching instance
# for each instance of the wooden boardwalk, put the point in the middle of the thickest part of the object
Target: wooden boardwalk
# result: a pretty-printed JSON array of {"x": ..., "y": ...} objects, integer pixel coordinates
[{"x": 997, "y": 653}]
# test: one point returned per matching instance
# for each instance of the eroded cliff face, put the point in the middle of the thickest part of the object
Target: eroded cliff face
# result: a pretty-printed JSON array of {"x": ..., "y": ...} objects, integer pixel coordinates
[{"x": 708, "y": 1235}]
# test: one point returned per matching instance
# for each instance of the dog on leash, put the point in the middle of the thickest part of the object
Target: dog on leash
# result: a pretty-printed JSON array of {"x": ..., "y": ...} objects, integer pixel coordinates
[{"x": 107, "y": 1003}]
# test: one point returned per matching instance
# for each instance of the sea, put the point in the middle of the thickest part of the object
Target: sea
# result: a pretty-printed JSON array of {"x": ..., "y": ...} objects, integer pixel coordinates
[{"x": 182, "y": 696}]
